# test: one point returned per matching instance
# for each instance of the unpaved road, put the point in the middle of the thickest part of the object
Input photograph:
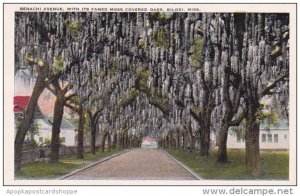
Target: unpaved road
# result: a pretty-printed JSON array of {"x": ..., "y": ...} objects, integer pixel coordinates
[{"x": 138, "y": 164}]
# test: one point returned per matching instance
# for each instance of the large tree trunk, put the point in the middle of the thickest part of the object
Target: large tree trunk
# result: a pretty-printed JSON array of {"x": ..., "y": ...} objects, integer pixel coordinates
[
  {"x": 177, "y": 139},
  {"x": 115, "y": 138},
  {"x": 93, "y": 138},
  {"x": 125, "y": 139},
  {"x": 167, "y": 141},
  {"x": 184, "y": 141},
  {"x": 119, "y": 139},
  {"x": 57, "y": 118},
  {"x": 109, "y": 141},
  {"x": 222, "y": 151},
  {"x": 171, "y": 139},
  {"x": 39, "y": 87},
  {"x": 103, "y": 141},
  {"x": 192, "y": 142},
  {"x": 80, "y": 134},
  {"x": 205, "y": 141},
  {"x": 191, "y": 139},
  {"x": 253, "y": 162}
]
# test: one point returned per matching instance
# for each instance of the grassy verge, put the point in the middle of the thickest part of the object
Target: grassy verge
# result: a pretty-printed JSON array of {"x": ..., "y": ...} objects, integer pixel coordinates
[
  {"x": 275, "y": 165},
  {"x": 47, "y": 170},
  {"x": 92, "y": 157}
]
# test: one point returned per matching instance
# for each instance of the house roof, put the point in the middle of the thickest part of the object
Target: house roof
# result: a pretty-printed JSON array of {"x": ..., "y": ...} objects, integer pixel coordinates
[
  {"x": 282, "y": 124},
  {"x": 148, "y": 139},
  {"x": 65, "y": 124},
  {"x": 45, "y": 124},
  {"x": 20, "y": 103}
]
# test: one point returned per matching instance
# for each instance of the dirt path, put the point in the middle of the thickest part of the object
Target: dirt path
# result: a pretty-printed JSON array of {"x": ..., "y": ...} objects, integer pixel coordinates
[{"x": 138, "y": 164}]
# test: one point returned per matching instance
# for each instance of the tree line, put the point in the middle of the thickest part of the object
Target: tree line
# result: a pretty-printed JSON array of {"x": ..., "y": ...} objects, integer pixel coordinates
[{"x": 177, "y": 74}]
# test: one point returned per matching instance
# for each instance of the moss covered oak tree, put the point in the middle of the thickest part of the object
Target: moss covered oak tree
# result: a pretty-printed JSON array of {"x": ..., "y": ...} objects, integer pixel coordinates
[{"x": 265, "y": 62}]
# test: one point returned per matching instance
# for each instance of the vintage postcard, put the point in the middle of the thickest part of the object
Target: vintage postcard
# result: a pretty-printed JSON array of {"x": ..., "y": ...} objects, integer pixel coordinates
[{"x": 150, "y": 94}]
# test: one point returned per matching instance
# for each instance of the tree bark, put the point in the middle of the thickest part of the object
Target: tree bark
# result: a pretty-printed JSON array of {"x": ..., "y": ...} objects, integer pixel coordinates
[
  {"x": 177, "y": 139},
  {"x": 204, "y": 142},
  {"x": 192, "y": 142},
  {"x": 125, "y": 139},
  {"x": 80, "y": 134},
  {"x": 57, "y": 118},
  {"x": 39, "y": 87},
  {"x": 184, "y": 141},
  {"x": 109, "y": 144},
  {"x": 115, "y": 137},
  {"x": 222, "y": 151},
  {"x": 94, "y": 120},
  {"x": 171, "y": 140},
  {"x": 119, "y": 139},
  {"x": 93, "y": 138},
  {"x": 253, "y": 162},
  {"x": 103, "y": 141}
]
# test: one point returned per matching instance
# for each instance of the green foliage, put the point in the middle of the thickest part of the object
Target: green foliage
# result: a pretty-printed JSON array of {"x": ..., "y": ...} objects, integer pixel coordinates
[
  {"x": 240, "y": 131},
  {"x": 66, "y": 165},
  {"x": 76, "y": 100},
  {"x": 113, "y": 68},
  {"x": 162, "y": 100},
  {"x": 160, "y": 16},
  {"x": 160, "y": 38},
  {"x": 30, "y": 142},
  {"x": 58, "y": 65},
  {"x": 129, "y": 98},
  {"x": 91, "y": 157},
  {"x": 47, "y": 140},
  {"x": 275, "y": 165},
  {"x": 197, "y": 52},
  {"x": 141, "y": 44},
  {"x": 109, "y": 71},
  {"x": 267, "y": 115},
  {"x": 34, "y": 60},
  {"x": 33, "y": 128},
  {"x": 142, "y": 76},
  {"x": 263, "y": 115},
  {"x": 73, "y": 27},
  {"x": 48, "y": 170}
]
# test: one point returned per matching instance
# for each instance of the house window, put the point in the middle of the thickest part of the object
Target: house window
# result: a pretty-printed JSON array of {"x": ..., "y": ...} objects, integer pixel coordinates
[
  {"x": 263, "y": 138},
  {"x": 275, "y": 138},
  {"x": 270, "y": 138},
  {"x": 239, "y": 139},
  {"x": 63, "y": 139},
  {"x": 41, "y": 139}
]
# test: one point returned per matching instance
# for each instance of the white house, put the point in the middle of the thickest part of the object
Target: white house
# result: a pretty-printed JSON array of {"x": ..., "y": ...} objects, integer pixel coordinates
[
  {"x": 67, "y": 131},
  {"x": 68, "y": 134},
  {"x": 272, "y": 138}
]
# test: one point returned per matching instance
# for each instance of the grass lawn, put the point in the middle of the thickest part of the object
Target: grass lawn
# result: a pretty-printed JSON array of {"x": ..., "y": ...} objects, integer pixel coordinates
[
  {"x": 275, "y": 165},
  {"x": 47, "y": 170},
  {"x": 91, "y": 157}
]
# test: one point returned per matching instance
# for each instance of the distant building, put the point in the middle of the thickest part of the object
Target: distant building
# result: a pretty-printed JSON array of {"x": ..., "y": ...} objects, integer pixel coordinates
[
  {"x": 149, "y": 142},
  {"x": 67, "y": 131},
  {"x": 270, "y": 138},
  {"x": 20, "y": 104},
  {"x": 68, "y": 134}
]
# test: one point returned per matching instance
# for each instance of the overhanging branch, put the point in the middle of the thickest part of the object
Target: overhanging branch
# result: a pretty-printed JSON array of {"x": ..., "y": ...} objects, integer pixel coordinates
[{"x": 273, "y": 85}]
